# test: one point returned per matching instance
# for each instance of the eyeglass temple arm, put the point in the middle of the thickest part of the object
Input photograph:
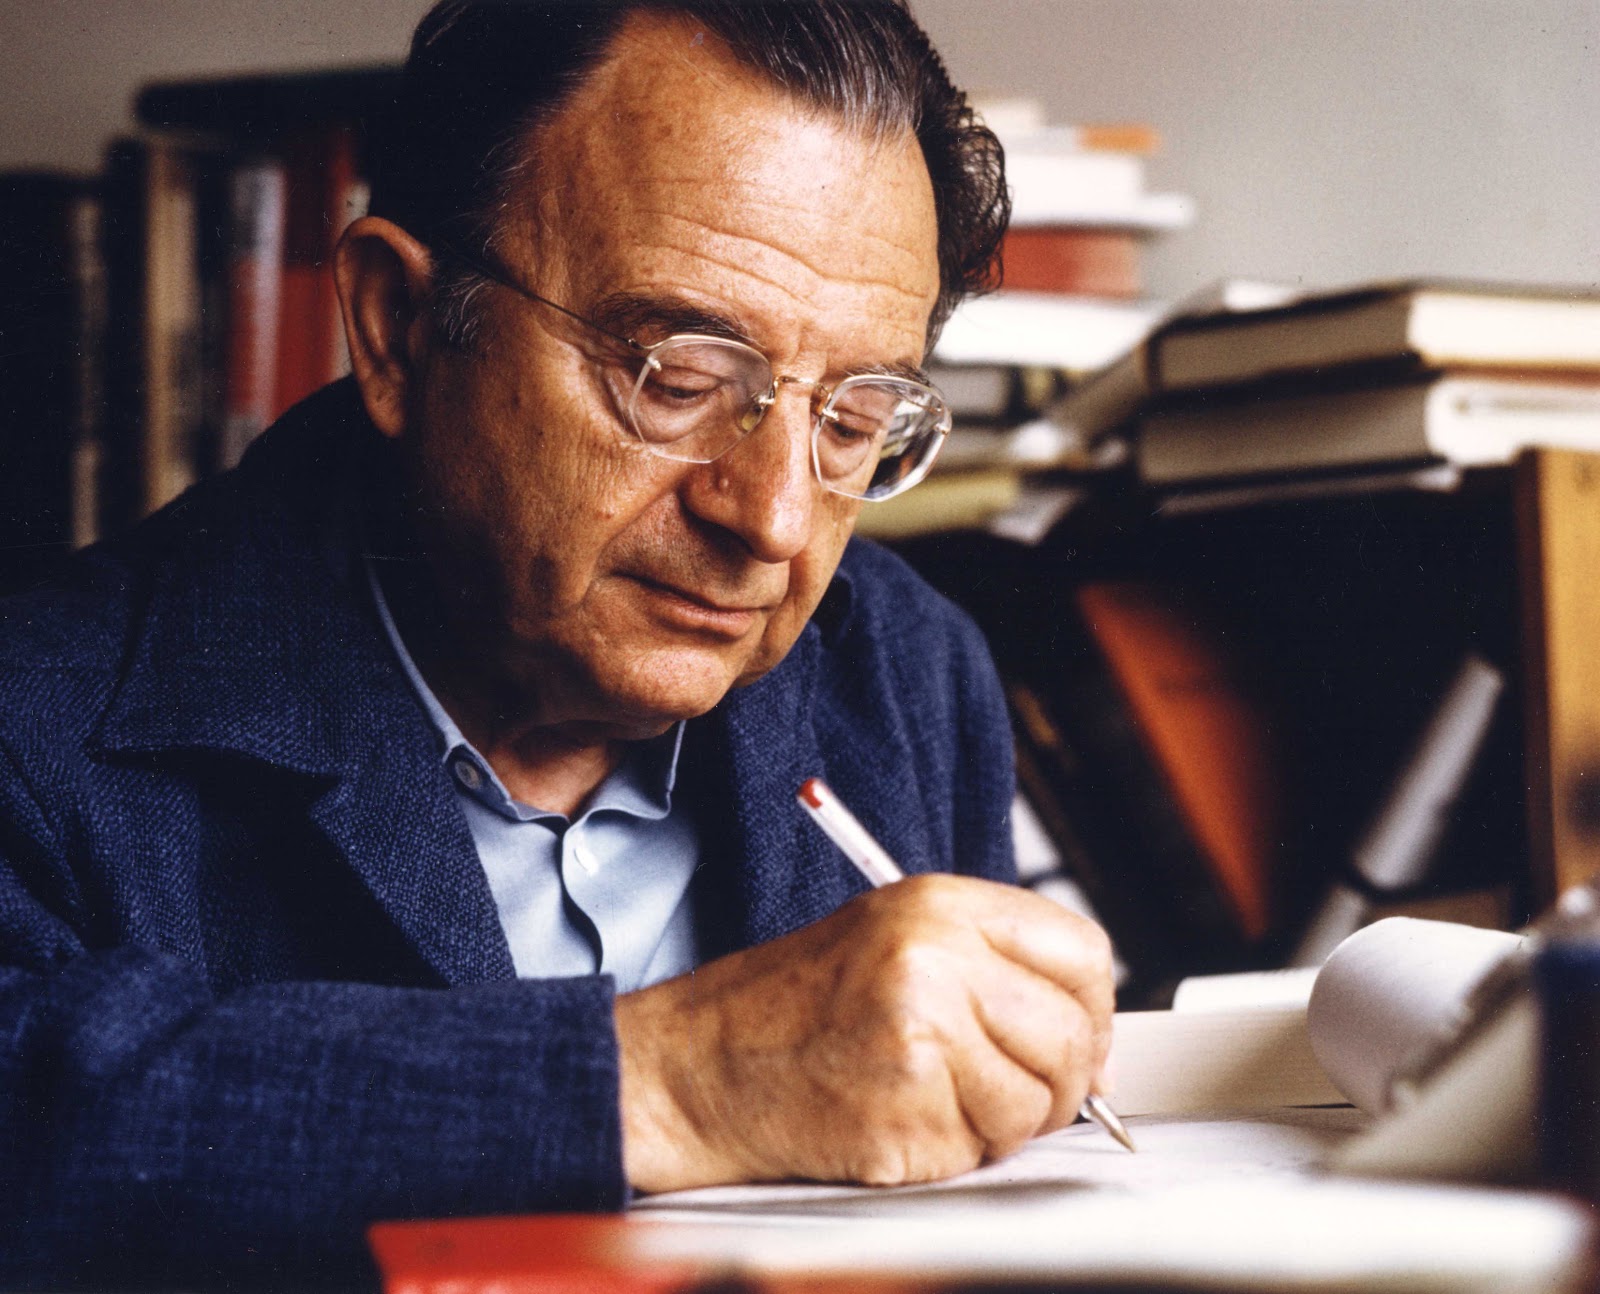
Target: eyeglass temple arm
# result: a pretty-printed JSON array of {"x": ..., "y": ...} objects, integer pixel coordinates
[{"x": 481, "y": 265}]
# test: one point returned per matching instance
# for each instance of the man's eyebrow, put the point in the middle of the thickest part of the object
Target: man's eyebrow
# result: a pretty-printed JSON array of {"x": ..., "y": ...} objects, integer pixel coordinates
[
  {"x": 631, "y": 314},
  {"x": 911, "y": 372}
]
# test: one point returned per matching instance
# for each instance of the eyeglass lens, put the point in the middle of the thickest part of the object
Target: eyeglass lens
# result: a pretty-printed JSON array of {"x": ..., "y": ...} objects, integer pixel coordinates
[{"x": 696, "y": 398}]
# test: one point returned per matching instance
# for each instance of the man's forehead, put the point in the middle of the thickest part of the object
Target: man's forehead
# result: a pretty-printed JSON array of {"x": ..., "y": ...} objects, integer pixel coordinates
[
  {"x": 669, "y": 80},
  {"x": 699, "y": 173}
]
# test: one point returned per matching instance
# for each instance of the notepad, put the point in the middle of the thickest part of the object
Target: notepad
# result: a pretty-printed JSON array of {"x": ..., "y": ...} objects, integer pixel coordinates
[{"x": 1344, "y": 1033}]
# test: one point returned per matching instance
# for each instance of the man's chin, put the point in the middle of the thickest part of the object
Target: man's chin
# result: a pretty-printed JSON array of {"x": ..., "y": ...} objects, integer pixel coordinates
[{"x": 667, "y": 686}]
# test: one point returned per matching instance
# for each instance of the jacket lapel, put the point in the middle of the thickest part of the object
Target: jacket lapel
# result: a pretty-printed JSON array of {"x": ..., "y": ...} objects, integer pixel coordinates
[
  {"x": 259, "y": 641},
  {"x": 770, "y": 869}
]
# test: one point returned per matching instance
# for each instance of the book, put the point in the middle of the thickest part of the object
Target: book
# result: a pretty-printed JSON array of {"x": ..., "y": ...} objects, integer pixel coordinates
[
  {"x": 955, "y": 500},
  {"x": 1209, "y": 739},
  {"x": 1398, "y": 848},
  {"x": 1056, "y": 182},
  {"x": 1107, "y": 399},
  {"x": 1558, "y": 502},
  {"x": 1123, "y": 657},
  {"x": 1265, "y": 1227},
  {"x": 324, "y": 193},
  {"x": 52, "y": 335},
  {"x": 1431, "y": 325},
  {"x": 1011, "y": 117},
  {"x": 154, "y": 394},
  {"x": 1468, "y": 420},
  {"x": 1089, "y": 175},
  {"x": 1078, "y": 334},
  {"x": 257, "y": 195},
  {"x": 1073, "y": 260}
]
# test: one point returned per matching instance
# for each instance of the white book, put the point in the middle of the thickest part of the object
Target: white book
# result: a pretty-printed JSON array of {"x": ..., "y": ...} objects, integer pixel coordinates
[
  {"x": 1467, "y": 421},
  {"x": 1428, "y": 324},
  {"x": 1075, "y": 334}
]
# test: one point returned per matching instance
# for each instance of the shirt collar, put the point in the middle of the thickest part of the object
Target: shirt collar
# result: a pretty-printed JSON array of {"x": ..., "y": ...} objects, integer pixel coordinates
[{"x": 640, "y": 786}]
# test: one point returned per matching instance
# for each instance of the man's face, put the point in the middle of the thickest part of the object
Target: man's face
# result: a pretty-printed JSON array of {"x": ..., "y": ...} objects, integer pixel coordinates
[{"x": 605, "y": 589}]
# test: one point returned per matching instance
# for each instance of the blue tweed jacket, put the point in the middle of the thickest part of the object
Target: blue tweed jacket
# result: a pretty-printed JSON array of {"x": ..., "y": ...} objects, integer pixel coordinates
[{"x": 253, "y": 991}]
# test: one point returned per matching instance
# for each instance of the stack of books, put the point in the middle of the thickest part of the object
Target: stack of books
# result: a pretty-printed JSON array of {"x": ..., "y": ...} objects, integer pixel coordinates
[
  {"x": 1073, "y": 282},
  {"x": 1071, "y": 300},
  {"x": 1381, "y": 378}
]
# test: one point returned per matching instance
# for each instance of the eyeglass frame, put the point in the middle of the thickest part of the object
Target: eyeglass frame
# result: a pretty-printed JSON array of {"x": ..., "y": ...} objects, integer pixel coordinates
[{"x": 823, "y": 392}]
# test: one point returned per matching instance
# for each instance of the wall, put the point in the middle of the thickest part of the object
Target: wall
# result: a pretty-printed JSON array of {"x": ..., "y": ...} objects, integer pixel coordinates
[
  {"x": 1324, "y": 142},
  {"x": 1330, "y": 140}
]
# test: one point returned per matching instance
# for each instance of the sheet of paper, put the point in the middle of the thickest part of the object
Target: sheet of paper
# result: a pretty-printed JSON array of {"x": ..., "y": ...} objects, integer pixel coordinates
[
  {"x": 1227, "y": 1203},
  {"x": 1171, "y": 1151}
]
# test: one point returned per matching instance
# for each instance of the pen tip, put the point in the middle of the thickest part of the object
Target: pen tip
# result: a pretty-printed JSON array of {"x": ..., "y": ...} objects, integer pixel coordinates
[{"x": 1098, "y": 1109}]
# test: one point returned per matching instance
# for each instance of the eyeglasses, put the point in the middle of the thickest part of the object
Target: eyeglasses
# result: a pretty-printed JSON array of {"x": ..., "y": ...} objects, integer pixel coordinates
[{"x": 697, "y": 396}]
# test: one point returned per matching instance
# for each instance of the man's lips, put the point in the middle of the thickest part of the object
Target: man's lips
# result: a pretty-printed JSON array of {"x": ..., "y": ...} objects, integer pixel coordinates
[{"x": 711, "y": 611}]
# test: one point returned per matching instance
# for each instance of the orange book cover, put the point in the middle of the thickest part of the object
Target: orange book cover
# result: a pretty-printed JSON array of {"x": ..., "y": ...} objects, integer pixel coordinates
[
  {"x": 591, "y": 1253},
  {"x": 1073, "y": 259},
  {"x": 1210, "y": 740}
]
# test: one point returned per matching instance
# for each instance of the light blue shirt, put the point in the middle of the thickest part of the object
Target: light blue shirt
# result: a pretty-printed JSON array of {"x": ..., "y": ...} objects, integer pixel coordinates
[{"x": 607, "y": 891}]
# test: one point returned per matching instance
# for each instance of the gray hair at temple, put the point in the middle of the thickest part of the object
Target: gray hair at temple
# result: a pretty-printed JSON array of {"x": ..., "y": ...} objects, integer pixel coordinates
[{"x": 483, "y": 75}]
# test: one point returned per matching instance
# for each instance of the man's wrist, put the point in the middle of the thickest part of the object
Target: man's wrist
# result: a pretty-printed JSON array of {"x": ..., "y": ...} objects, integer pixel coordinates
[{"x": 662, "y": 1147}]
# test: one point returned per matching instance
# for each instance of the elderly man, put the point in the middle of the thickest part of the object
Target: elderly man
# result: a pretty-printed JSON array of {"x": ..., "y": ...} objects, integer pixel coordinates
[{"x": 405, "y": 823}]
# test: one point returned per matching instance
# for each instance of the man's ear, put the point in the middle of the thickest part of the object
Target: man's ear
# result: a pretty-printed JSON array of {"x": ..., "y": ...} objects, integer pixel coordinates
[{"x": 384, "y": 276}]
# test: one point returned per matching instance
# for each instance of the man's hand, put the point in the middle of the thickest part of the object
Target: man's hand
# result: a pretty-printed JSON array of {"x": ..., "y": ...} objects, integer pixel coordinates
[{"x": 918, "y": 1031}]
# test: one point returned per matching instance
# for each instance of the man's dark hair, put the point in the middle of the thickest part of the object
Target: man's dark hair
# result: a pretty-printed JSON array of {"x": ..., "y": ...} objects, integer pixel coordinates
[{"x": 484, "y": 74}]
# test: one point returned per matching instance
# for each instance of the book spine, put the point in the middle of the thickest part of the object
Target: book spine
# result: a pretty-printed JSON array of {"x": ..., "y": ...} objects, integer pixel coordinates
[
  {"x": 173, "y": 406},
  {"x": 50, "y": 335},
  {"x": 120, "y": 488},
  {"x": 1086, "y": 767},
  {"x": 257, "y": 192},
  {"x": 1073, "y": 261},
  {"x": 88, "y": 272},
  {"x": 322, "y": 192}
]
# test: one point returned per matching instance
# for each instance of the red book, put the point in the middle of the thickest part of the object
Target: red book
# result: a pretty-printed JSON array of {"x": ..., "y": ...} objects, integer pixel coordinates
[
  {"x": 256, "y": 191},
  {"x": 1072, "y": 259},
  {"x": 609, "y": 1254},
  {"x": 1203, "y": 731},
  {"x": 322, "y": 189}
]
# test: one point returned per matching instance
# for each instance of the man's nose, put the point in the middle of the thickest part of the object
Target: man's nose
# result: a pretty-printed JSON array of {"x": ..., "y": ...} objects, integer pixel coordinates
[{"x": 764, "y": 489}]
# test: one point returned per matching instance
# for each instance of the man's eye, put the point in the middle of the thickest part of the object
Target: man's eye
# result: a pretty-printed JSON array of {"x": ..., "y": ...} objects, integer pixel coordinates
[
  {"x": 682, "y": 385},
  {"x": 850, "y": 432}
]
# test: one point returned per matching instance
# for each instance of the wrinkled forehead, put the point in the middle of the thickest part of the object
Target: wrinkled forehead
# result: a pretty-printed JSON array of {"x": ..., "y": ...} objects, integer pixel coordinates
[{"x": 675, "y": 155}]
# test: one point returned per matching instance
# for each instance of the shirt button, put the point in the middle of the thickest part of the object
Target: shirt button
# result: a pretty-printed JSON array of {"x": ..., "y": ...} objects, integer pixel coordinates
[
  {"x": 467, "y": 774},
  {"x": 585, "y": 859}
]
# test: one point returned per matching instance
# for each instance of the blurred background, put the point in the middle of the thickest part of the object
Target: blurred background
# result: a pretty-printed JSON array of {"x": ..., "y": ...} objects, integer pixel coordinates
[{"x": 1322, "y": 143}]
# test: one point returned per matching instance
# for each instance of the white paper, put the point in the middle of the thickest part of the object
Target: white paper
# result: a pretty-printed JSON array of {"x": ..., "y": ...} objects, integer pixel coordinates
[
  {"x": 1171, "y": 1151},
  {"x": 1390, "y": 991},
  {"x": 1226, "y": 1203}
]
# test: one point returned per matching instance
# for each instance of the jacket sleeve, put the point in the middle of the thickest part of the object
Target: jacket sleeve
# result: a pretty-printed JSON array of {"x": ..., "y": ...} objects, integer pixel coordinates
[{"x": 151, "y": 1130}]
